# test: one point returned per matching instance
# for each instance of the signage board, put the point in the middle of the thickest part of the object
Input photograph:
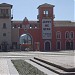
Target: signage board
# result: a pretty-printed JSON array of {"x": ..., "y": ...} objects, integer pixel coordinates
[{"x": 46, "y": 29}]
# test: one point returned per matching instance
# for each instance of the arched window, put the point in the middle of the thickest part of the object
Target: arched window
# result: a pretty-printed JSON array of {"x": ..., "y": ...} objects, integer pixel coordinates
[
  {"x": 71, "y": 34},
  {"x": 4, "y": 25},
  {"x": 58, "y": 35},
  {"x": 67, "y": 35}
]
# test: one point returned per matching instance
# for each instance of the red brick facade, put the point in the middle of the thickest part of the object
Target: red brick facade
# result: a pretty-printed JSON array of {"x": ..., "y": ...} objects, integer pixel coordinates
[{"x": 47, "y": 34}]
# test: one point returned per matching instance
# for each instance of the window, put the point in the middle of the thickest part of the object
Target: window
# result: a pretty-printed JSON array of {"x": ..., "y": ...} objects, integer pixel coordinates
[
  {"x": 58, "y": 34},
  {"x": 20, "y": 25},
  {"x": 30, "y": 26},
  {"x": 71, "y": 34},
  {"x": 46, "y": 12},
  {"x": 4, "y": 34},
  {"x": 36, "y": 26},
  {"x": 4, "y": 25},
  {"x": 7, "y": 11},
  {"x": 4, "y": 11},
  {"x": 15, "y": 26},
  {"x": 67, "y": 35}
]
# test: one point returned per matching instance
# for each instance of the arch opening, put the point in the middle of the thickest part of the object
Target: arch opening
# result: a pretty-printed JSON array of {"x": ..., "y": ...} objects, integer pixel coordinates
[
  {"x": 47, "y": 46},
  {"x": 25, "y": 42}
]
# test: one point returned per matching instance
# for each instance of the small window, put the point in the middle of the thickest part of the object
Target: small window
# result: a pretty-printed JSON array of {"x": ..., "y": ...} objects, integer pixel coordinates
[
  {"x": 67, "y": 35},
  {"x": 7, "y": 11},
  {"x": 58, "y": 34},
  {"x": 15, "y": 26},
  {"x": 71, "y": 34},
  {"x": 20, "y": 25},
  {"x": 46, "y": 12},
  {"x": 36, "y": 26},
  {"x": 4, "y": 34},
  {"x": 4, "y": 25},
  {"x": 4, "y": 11},
  {"x": 30, "y": 26}
]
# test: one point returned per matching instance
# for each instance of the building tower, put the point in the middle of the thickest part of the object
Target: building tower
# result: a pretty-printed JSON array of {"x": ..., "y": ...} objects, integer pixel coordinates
[
  {"x": 5, "y": 26},
  {"x": 45, "y": 18}
]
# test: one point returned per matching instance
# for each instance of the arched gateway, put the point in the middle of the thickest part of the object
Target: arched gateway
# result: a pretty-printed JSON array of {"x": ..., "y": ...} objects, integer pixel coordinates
[
  {"x": 47, "y": 45},
  {"x": 25, "y": 42}
]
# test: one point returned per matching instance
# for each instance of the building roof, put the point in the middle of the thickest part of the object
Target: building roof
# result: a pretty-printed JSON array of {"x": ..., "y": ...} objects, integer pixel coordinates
[
  {"x": 25, "y": 21},
  {"x": 64, "y": 24},
  {"x": 45, "y": 5},
  {"x": 56, "y": 23},
  {"x": 5, "y": 5}
]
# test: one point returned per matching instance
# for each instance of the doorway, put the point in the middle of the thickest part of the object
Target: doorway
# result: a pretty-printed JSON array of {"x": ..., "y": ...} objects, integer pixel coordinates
[
  {"x": 69, "y": 45},
  {"x": 4, "y": 46},
  {"x": 47, "y": 46}
]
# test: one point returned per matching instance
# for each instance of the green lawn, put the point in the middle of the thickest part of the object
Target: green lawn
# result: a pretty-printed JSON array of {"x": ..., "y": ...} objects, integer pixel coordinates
[{"x": 25, "y": 68}]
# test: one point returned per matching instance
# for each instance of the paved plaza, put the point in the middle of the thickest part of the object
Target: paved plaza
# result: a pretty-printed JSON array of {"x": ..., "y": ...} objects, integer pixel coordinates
[{"x": 63, "y": 58}]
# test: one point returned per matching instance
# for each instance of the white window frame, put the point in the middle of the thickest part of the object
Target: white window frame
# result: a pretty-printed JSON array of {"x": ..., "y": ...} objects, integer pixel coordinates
[
  {"x": 65, "y": 35},
  {"x": 70, "y": 34},
  {"x": 57, "y": 34},
  {"x": 46, "y": 12}
]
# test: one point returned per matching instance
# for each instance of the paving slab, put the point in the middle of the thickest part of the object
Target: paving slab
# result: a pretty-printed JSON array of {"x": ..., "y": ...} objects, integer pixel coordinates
[
  {"x": 64, "y": 61},
  {"x": 7, "y": 68},
  {"x": 4, "y": 70},
  {"x": 12, "y": 69}
]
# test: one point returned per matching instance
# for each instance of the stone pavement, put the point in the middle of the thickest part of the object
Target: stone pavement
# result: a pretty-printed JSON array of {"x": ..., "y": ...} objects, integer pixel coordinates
[
  {"x": 63, "y": 58},
  {"x": 66, "y": 61},
  {"x": 7, "y": 68}
]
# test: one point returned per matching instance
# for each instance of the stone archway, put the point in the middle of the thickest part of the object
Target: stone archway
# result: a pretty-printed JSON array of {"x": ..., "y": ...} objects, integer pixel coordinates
[{"x": 25, "y": 41}]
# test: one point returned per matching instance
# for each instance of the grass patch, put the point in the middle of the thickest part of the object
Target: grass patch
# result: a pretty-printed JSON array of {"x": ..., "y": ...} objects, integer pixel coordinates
[{"x": 25, "y": 68}]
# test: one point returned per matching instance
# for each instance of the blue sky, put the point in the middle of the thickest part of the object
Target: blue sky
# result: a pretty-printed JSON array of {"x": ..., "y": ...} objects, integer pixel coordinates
[{"x": 63, "y": 10}]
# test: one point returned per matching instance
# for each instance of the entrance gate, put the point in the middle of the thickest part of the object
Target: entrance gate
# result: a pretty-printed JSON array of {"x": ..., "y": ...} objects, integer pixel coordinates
[
  {"x": 47, "y": 46},
  {"x": 25, "y": 42}
]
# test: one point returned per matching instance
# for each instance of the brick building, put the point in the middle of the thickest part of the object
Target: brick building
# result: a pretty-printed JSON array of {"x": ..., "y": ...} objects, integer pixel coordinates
[{"x": 45, "y": 34}]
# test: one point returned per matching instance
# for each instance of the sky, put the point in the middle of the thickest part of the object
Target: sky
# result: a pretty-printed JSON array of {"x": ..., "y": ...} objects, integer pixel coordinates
[{"x": 63, "y": 10}]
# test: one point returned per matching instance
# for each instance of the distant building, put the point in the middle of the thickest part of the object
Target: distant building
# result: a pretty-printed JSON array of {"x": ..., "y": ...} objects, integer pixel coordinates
[{"x": 45, "y": 34}]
